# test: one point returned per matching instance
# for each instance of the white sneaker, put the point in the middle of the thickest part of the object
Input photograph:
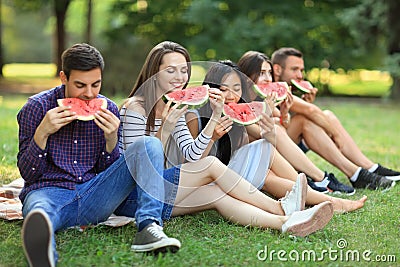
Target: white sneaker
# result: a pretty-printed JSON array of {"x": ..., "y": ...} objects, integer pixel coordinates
[
  {"x": 303, "y": 223},
  {"x": 295, "y": 200},
  {"x": 36, "y": 235}
]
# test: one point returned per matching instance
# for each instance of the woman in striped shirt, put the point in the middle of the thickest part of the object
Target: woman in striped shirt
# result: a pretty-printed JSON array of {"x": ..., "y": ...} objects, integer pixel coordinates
[{"x": 203, "y": 183}]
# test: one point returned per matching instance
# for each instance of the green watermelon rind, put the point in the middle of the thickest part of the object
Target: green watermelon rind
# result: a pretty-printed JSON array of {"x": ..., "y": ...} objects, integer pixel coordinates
[
  {"x": 298, "y": 86},
  {"x": 82, "y": 117},
  {"x": 262, "y": 95},
  {"x": 191, "y": 104},
  {"x": 247, "y": 122}
]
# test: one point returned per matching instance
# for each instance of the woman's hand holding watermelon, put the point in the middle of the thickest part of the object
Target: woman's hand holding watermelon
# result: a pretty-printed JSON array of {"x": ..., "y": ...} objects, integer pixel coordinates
[
  {"x": 109, "y": 123},
  {"x": 216, "y": 101},
  {"x": 270, "y": 101},
  {"x": 284, "y": 110},
  {"x": 266, "y": 124},
  {"x": 224, "y": 126},
  {"x": 170, "y": 117}
]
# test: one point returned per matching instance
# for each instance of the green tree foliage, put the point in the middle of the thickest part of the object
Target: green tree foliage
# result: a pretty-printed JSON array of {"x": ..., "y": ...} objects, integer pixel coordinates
[
  {"x": 376, "y": 23},
  {"x": 225, "y": 29},
  {"x": 25, "y": 36},
  {"x": 60, "y": 8}
]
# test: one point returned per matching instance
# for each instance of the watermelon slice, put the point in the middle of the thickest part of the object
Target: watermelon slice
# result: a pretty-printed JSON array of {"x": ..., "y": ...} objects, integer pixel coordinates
[
  {"x": 245, "y": 113},
  {"x": 85, "y": 109},
  {"x": 194, "y": 97},
  {"x": 302, "y": 85},
  {"x": 265, "y": 89}
]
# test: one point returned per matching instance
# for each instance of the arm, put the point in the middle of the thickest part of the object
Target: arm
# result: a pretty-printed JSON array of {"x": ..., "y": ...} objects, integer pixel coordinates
[
  {"x": 217, "y": 105},
  {"x": 170, "y": 118},
  {"x": 108, "y": 121},
  {"x": 263, "y": 129},
  {"x": 36, "y": 123},
  {"x": 310, "y": 97},
  {"x": 284, "y": 118},
  {"x": 313, "y": 113},
  {"x": 192, "y": 149},
  {"x": 192, "y": 121}
]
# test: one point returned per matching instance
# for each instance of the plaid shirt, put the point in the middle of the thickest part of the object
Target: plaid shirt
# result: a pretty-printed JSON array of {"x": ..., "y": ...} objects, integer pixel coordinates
[{"x": 74, "y": 154}]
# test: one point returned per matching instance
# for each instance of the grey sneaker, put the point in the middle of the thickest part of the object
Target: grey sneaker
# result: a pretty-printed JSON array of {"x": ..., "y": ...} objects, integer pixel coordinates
[
  {"x": 36, "y": 236},
  {"x": 295, "y": 200},
  {"x": 303, "y": 223},
  {"x": 372, "y": 181},
  {"x": 153, "y": 239}
]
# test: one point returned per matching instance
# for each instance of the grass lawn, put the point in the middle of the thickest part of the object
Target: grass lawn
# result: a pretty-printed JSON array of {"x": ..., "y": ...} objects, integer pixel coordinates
[{"x": 371, "y": 233}]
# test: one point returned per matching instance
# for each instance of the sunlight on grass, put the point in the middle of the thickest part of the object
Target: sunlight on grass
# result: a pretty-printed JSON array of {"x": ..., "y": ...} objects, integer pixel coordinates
[{"x": 29, "y": 70}]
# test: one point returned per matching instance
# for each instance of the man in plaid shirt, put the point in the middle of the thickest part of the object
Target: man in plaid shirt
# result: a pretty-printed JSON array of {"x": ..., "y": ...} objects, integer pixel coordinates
[{"x": 73, "y": 171}]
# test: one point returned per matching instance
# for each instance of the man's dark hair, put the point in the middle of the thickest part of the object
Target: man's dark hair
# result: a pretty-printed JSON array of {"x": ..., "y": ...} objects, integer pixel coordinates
[
  {"x": 279, "y": 56},
  {"x": 82, "y": 57}
]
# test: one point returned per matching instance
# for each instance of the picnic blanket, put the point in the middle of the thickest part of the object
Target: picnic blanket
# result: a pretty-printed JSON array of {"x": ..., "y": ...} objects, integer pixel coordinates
[{"x": 11, "y": 206}]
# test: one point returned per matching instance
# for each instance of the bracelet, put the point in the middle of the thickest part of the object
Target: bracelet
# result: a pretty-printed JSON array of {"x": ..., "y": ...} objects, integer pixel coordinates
[{"x": 286, "y": 121}]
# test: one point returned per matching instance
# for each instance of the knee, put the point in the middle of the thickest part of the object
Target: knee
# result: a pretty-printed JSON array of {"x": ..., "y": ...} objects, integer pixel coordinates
[
  {"x": 212, "y": 161},
  {"x": 330, "y": 115},
  {"x": 33, "y": 203},
  {"x": 148, "y": 144}
]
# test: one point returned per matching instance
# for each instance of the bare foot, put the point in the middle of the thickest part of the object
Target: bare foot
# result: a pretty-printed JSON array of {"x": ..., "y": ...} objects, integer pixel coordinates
[{"x": 341, "y": 205}]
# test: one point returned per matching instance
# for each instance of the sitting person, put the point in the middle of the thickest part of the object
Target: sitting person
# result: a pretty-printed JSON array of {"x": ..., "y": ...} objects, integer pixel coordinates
[
  {"x": 73, "y": 171},
  {"x": 322, "y": 131}
]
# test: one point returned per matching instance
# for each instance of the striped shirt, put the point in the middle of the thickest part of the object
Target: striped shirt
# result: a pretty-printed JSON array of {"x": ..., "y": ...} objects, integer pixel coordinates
[
  {"x": 74, "y": 154},
  {"x": 134, "y": 125}
]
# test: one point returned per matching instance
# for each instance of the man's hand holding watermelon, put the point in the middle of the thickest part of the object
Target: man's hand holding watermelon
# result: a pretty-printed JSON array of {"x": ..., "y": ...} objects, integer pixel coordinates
[
  {"x": 109, "y": 123},
  {"x": 53, "y": 121}
]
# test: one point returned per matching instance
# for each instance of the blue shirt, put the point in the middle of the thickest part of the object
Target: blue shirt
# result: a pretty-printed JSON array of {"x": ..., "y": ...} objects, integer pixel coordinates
[{"x": 74, "y": 154}]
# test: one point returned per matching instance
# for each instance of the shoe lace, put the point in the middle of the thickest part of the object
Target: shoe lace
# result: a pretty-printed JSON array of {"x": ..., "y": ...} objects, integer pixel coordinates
[
  {"x": 156, "y": 231},
  {"x": 332, "y": 178}
]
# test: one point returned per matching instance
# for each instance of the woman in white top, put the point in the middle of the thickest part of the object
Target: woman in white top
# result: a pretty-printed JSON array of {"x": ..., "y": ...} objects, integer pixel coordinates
[{"x": 203, "y": 183}]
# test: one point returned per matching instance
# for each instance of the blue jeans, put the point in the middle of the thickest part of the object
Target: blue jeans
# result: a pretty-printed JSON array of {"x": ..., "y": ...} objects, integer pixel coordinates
[{"x": 140, "y": 169}]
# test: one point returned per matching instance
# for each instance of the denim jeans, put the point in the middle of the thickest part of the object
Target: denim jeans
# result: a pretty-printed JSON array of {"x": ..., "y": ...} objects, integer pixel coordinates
[{"x": 140, "y": 169}]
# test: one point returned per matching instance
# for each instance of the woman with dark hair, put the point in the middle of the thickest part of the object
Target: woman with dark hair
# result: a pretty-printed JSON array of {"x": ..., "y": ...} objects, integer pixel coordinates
[{"x": 203, "y": 183}]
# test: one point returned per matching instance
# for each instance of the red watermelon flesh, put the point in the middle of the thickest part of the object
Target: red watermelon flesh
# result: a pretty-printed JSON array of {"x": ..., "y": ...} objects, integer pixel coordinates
[
  {"x": 265, "y": 89},
  {"x": 194, "y": 97},
  {"x": 302, "y": 85},
  {"x": 85, "y": 109},
  {"x": 245, "y": 113}
]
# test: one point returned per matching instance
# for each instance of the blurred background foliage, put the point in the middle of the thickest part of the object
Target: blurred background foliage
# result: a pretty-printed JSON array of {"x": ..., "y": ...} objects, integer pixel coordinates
[{"x": 334, "y": 35}]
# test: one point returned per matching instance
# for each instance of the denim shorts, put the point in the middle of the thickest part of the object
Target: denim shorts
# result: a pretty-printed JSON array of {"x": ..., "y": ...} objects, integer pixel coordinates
[{"x": 171, "y": 176}]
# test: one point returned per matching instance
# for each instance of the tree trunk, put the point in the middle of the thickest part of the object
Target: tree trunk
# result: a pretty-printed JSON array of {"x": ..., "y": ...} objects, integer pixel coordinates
[
  {"x": 394, "y": 43},
  {"x": 60, "y": 10},
  {"x": 89, "y": 22}
]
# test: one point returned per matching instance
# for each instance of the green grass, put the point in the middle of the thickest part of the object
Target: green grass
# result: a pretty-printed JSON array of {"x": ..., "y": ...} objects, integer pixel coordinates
[{"x": 209, "y": 240}]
